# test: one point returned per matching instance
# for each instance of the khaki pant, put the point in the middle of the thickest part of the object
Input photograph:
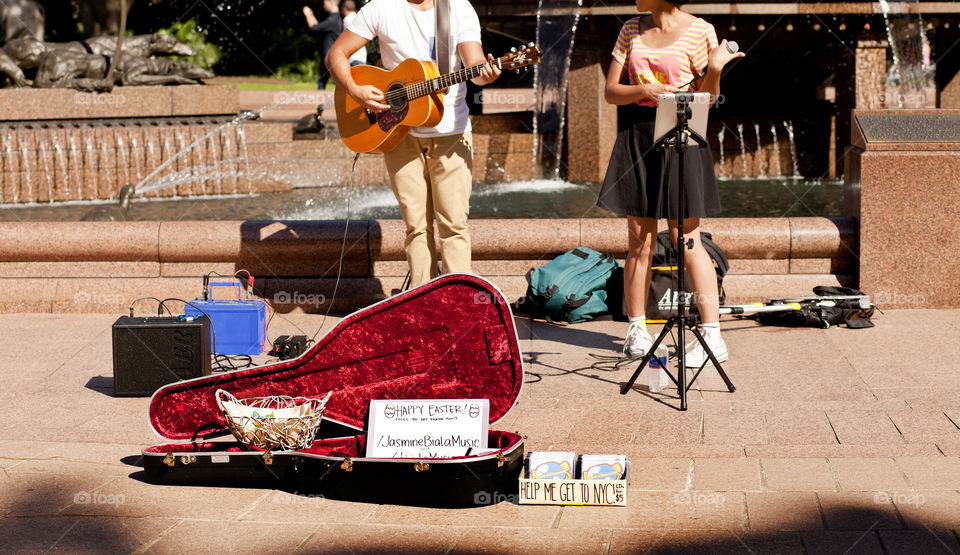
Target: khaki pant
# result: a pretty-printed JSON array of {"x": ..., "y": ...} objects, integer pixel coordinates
[{"x": 432, "y": 178}]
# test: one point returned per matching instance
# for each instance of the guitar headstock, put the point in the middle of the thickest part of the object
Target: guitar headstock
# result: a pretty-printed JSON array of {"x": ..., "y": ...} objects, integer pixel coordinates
[{"x": 515, "y": 59}]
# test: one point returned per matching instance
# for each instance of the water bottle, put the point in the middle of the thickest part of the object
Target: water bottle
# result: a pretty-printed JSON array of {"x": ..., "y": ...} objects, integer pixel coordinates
[{"x": 657, "y": 366}]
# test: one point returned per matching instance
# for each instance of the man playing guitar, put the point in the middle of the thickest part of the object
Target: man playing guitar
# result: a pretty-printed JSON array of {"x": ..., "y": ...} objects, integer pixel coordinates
[{"x": 431, "y": 168}]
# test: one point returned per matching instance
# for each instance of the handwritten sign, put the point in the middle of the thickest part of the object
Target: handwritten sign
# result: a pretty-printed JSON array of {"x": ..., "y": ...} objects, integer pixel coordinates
[
  {"x": 427, "y": 428},
  {"x": 573, "y": 492}
]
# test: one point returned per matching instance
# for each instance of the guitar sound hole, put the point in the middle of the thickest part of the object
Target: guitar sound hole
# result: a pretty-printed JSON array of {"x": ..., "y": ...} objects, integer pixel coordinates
[{"x": 395, "y": 97}]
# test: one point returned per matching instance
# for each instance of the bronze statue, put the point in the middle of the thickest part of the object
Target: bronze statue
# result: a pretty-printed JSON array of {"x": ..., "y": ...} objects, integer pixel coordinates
[
  {"x": 87, "y": 72},
  {"x": 27, "y": 52},
  {"x": 14, "y": 74}
]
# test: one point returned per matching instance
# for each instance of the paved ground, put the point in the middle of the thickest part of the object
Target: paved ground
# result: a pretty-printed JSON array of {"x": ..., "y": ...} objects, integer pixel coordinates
[{"x": 835, "y": 441}]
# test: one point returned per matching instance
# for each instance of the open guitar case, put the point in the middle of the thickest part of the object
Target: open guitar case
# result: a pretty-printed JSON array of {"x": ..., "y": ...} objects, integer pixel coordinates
[{"x": 450, "y": 338}]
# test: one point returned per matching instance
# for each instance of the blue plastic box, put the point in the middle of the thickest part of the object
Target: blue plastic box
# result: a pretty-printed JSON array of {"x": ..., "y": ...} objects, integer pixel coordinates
[{"x": 239, "y": 326}]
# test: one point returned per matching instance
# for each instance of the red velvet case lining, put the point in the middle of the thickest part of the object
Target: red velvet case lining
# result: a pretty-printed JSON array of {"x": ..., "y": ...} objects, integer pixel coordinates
[{"x": 451, "y": 338}]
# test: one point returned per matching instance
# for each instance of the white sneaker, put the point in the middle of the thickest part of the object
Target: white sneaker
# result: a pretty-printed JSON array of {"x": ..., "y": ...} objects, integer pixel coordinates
[
  {"x": 695, "y": 357},
  {"x": 638, "y": 341}
]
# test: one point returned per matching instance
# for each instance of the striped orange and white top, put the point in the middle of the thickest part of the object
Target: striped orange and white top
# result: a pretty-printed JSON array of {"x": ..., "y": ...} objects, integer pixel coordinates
[{"x": 672, "y": 65}]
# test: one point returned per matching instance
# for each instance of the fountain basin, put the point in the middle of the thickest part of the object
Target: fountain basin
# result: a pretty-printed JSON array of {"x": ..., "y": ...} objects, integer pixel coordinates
[{"x": 103, "y": 266}]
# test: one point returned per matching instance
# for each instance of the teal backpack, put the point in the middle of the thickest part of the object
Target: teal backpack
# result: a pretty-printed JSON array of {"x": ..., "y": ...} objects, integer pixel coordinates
[{"x": 571, "y": 287}]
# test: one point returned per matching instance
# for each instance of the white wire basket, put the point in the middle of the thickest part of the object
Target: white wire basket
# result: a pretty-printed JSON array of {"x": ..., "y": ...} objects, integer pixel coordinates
[{"x": 272, "y": 423}]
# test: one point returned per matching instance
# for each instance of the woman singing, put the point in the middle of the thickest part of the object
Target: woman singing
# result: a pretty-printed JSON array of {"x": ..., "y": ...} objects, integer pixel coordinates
[{"x": 665, "y": 52}]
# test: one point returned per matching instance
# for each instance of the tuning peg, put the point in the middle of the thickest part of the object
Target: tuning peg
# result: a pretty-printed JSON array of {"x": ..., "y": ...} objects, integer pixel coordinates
[
  {"x": 530, "y": 45},
  {"x": 513, "y": 49},
  {"x": 518, "y": 71}
]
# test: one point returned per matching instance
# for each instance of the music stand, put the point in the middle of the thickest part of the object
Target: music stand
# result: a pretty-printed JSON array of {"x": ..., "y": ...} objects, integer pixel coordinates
[{"x": 679, "y": 116}]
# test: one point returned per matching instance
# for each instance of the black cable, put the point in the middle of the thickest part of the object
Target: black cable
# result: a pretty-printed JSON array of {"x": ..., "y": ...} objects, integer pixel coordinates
[
  {"x": 336, "y": 285},
  {"x": 219, "y": 358},
  {"x": 160, "y": 306}
]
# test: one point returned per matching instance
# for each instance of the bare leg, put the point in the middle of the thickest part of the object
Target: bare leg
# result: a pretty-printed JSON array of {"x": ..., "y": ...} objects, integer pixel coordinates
[
  {"x": 699, "y": 269},
  {"x": 642, "y": 239}
]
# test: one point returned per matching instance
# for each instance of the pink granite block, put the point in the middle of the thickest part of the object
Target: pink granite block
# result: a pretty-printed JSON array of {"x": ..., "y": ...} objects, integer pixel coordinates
[
  {"x": 28, "y": 295},
  {"x": 846, "y": 450},
  {"x": 107, "y": 269},
  {"x": 858, "y": 511},
  {"x": 651, "y": 510},
  {"x": 78, "y": 241},
  {"x": 799, "y": 427},
  {"x": 888, "y": 183},
  {"x": 760, "y": 266},
  {"x": 268, "y": 132},
  {"x": 541, "y": 237},
  {"x": 115, "y": 295},
  {"x": 421, "y": 537},
  {"x": 928, "y": 510},
  {"x": 822, "y": 237},
  {"x": 591, "y": 124},
  {"x": 864, "y": 427},
  {"x": 798, "y": 474},
  {"x": 196, "y": 269},
  {"x": 924, "y": 426},
  {"x": 42, "y": 104},
  {"x": 865, "y": 474},
  {"x": 500, "y": 540},
  {"x": 931, "y": 473},
  {"x": 727, "y": 474},
  {"x": 706, "y": 541},
  {"x": 747, "y": 288},
  {"x": 199, "y": 100},
  {"x": 735, "y": 427},
  {"x": 783, "y": 511},
  {"x": 8, "y": 187}
]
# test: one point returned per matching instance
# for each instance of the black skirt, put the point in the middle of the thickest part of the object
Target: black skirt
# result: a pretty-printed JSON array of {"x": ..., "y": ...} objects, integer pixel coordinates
[{"x": 636, "y": 183}]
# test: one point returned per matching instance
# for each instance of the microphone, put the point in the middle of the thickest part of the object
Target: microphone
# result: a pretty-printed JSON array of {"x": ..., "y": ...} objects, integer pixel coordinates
[{"x": 732, "y": 47}]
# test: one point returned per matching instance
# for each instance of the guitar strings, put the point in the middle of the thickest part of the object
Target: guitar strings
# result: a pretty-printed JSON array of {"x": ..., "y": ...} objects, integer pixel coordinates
[{"x": 399, "y": 95}]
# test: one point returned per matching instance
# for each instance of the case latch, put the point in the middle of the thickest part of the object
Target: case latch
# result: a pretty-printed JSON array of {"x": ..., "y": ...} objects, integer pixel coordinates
[
  {"x": 501, "y": 459},
  {"x": 169, "y": 460},
  {"x": 268, "y": 458},
  {"x": 421, "y": 466},
  {"x": 187, "y": 459},
  {"x": 347, "y": 464}
]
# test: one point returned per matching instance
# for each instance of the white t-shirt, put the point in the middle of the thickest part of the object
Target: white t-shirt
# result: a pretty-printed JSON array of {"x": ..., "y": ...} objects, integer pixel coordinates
[
  {"x": 360, "y": 56},
  {"x": 406, "y": 32}
]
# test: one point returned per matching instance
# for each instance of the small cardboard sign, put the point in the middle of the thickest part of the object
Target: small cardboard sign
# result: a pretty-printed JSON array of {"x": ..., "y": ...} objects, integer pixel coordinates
[
  {"x": 573, "y": 492},
  {"x": 427, "y": 428}
]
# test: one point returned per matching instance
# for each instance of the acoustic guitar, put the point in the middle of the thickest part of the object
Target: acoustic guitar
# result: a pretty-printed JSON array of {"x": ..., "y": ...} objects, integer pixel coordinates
[{"x": 414, "y": 91}]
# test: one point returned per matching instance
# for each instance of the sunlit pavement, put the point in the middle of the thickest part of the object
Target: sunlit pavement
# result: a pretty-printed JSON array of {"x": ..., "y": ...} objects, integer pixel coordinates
[{"x": 835, "y": 440}]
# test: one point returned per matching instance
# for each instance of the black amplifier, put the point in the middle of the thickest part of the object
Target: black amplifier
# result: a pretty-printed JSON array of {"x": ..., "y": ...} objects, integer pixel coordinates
[{"x": 149, "y": 353}]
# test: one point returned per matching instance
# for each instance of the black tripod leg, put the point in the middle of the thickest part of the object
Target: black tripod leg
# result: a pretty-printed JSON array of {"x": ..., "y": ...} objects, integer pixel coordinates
[
  {"x": 716, "y": 363},
  {"x": 646, "y": 358}
]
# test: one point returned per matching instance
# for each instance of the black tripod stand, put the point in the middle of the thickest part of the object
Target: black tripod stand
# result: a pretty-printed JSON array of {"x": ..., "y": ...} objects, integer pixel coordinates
[{"x": 682, "y": 319}]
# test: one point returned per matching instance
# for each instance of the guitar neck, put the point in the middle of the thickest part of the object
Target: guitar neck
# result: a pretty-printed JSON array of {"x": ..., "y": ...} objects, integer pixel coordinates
[{"x": 431, "y": 86}]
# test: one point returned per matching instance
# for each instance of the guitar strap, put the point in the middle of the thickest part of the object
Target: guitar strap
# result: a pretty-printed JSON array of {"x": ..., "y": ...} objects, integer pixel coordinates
[{"x": 442, "y": 9}]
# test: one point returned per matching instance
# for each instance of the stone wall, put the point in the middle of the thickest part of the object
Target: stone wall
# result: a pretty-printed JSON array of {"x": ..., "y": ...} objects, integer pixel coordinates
[{"x": 104, "y": 266}]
